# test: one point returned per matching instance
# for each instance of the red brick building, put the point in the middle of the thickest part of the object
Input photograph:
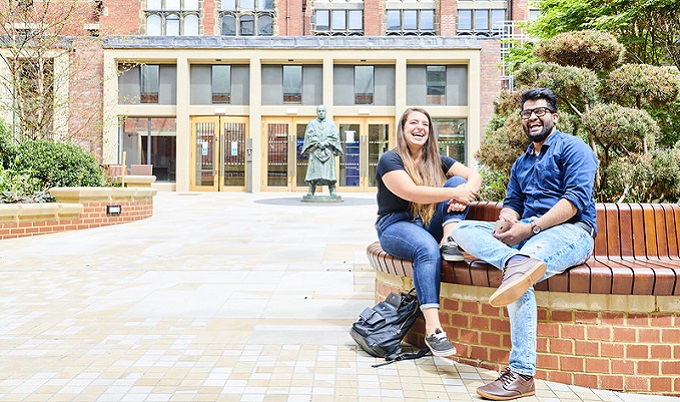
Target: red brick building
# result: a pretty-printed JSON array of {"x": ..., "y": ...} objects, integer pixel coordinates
[{"x": 216, "y": 93}]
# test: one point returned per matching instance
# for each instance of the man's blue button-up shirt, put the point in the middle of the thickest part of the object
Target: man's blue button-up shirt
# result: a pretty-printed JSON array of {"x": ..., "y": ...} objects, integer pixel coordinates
[{"x": 565, "y": 168}]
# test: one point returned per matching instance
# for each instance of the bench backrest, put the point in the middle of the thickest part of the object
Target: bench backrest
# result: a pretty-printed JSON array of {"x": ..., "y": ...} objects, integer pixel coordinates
[{"x": 624, "y": 230}]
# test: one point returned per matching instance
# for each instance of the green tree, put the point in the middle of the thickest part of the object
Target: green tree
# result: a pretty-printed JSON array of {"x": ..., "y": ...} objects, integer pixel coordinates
[
  {"x": 608, "y": 108},
  {"x": 648, "y": 29}
]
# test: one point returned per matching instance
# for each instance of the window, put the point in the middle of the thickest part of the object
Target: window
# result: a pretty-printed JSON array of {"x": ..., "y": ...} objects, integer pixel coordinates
[
  {"x": 147, "y": 83},
  {"x": 247, "y": 17},
  {"x": 292, "y": 84},
  {"x": 451, "y": 137},
  {"x": 150, "y": 140},
  {"x": 363, "y": 85},
  {"x": 338, "y": 22},
  {"x": 436, "y": 85},
  {"x": 218, "y": 84},
  {"x": 221, "y": 84},
  {"x": 481, "y": 21},
  {"x": 410, "y": 22},
  {"x": 150, "y": 83},
  {"x": 172, "y": 17}
]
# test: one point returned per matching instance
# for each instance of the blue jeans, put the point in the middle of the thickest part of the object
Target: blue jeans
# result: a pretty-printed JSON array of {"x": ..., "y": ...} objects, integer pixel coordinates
[
  {"x": 561, "y": 247},
  {"x": 404, "y": 236}
]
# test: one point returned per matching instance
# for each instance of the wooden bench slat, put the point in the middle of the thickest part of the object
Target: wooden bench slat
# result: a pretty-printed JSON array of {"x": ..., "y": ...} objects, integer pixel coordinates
[
  {"x": 601, "y": 239},
  {"x": 601, "y": 278},
  {"x": 626, "y": 230},
  {"x": 613, "y": 234},
  {"x": 622, "y": 276},
  {"x": 671, "y": 234},
  {"x": 660, "y": 231},
  {"x": 639, "y": 244}
]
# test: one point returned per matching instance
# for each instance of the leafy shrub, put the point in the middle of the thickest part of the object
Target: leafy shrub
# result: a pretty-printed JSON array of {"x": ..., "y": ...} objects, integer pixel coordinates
[
  {"x": 590, "y": 49},
  {"x": 30, "y": 168},
  {"x": 57, "y": 164},
  {"x": 16, "y": 188}
]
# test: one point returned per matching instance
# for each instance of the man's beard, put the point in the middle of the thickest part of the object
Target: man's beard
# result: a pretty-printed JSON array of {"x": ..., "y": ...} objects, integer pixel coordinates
[{"x": 541, "y": 136}]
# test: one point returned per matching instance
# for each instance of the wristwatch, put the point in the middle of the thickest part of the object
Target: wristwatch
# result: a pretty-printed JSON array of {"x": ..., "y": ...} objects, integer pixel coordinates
[{"x": 535, "y": 229}]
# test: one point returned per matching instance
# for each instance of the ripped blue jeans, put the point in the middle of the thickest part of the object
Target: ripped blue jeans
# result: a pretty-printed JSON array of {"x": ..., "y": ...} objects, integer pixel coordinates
[{"x": 561, "y": 247}]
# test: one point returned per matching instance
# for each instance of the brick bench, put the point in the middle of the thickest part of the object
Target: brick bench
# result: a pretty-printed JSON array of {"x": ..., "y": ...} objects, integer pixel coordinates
[{"x": 611, "y": 323}]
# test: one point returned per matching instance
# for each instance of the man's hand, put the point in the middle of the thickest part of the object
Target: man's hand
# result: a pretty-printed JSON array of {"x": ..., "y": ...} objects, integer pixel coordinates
[{"x": 512, "y": 233}]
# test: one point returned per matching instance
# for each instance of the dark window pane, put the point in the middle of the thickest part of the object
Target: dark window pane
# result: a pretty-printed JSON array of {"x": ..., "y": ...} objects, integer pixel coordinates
[
  {"x": 264, "y": 25},
  {"x": 464, "y": 20},
  {"x": 436, "y": 85},
  {"x": 393, "y": 20},
  {"x": 153, "y": 25},
  {"x": 427, "y": 20},
  {"x": 323, "y": 22},
  {"x": 221, "y": 84},
  {"x": 363, "y": 85},
  {"x": 338, "y": 20},
  {"x": 265, "y": 5},
  {"x": 247, "y": 25},
  {"x": 229, "y": 25},
  {"x": 228, "y": 5},
  {"x": 410, "y": 20},
  {"x": 150, "y": 83},
  {"x": 172, "y": 25},
  {"x": 481, "y": 20},
  {"x": 356, "y": 20},
  {"x": 497, "y": 18},
  {"x": 190, "y": 25},
  {"x": 292, "y": 84}
]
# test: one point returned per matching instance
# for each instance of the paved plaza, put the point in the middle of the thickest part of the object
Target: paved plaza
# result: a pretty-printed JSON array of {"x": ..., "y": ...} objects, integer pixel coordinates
[{"x": 217, "y": 297}]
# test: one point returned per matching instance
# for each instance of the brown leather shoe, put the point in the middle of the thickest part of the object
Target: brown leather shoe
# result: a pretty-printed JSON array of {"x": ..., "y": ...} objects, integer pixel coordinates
[
  {"x": 517, "y": 279},
  {"x": 509, "y": 385}
]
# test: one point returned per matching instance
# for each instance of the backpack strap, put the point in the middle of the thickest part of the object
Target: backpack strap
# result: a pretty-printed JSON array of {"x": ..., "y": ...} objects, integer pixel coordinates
[{"x": 403, "y": 356}]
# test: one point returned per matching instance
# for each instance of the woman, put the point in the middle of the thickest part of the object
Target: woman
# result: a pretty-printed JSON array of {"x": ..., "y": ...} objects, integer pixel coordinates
[{"x": 421, "y": 197}]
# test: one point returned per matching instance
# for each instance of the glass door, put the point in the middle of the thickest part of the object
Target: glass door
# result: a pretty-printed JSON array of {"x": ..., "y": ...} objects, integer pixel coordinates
[
  {"x": 363, "y": 141},
  {"x": 285, "y": 167},
  {"x": 218, "y": 154}
]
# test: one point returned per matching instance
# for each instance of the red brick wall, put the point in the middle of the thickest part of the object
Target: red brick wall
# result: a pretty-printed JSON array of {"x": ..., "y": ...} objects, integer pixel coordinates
[
  {"x": 291, "y": 19},
  {"x": 93, "y": 216},
  {"x": 122, "y": 17},
  {"x": 209, "y": 18},
  {"x": 489, "y": 79},
  {"x": 447, "y": 17},
  {"x": 86, "y": 95},
  {"x": 373, "y": 18},
  {"x": 596, "y": 349}
]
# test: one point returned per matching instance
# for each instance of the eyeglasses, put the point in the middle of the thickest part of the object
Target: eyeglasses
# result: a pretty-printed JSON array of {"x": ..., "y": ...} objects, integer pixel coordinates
[{"x": 539, "y": 112}]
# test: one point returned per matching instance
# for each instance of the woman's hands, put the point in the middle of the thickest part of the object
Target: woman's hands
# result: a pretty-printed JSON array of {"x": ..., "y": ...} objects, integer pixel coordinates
[{"x": 462, "y": 196}]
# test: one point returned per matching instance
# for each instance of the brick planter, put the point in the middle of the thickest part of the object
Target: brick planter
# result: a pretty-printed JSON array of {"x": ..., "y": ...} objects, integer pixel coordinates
[{"x": 76, "y": 208}]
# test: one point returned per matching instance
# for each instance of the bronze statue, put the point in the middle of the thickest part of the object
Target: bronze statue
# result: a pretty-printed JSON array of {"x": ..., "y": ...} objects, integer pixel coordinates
[{"x": 321, "y": 144}]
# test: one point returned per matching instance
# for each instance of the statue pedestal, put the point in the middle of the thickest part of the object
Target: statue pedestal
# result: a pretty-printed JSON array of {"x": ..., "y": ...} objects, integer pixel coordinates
[{"x": 322, "y": 198}]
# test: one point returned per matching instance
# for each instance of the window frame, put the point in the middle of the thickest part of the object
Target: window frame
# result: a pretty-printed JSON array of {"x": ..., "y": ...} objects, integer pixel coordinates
[
  {"x": 348, "y": 16},
  {"x": 167, "y": 14},
  {"x": 418, "y": 30}
]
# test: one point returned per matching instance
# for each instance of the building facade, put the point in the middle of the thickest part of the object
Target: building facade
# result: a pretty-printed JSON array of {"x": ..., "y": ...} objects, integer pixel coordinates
[{"x": 216, "y": 94}]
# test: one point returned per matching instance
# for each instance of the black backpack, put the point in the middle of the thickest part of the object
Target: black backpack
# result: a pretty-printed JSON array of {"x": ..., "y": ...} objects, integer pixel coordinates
[{"x": 379, "y": 330}]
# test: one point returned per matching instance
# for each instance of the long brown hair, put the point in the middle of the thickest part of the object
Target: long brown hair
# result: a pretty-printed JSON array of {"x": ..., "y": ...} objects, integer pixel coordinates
[{"x": 427, "y": 171}]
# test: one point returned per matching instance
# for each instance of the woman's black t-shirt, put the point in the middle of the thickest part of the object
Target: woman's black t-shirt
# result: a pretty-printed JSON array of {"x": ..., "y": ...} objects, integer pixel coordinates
[{"x": 388, "y": 202}]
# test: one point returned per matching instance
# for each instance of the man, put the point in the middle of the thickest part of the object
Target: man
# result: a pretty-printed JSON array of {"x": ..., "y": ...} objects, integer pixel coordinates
[
  {"x": 546, "y": 225},
  {"x": 322, "y": 144}
]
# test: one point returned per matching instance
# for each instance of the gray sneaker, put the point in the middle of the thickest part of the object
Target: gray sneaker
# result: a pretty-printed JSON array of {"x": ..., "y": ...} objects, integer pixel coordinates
[
  {"x": 450, "y": 251},
  {"x": 439, "y": 344}
]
